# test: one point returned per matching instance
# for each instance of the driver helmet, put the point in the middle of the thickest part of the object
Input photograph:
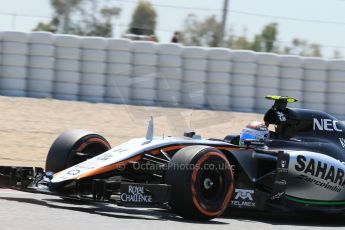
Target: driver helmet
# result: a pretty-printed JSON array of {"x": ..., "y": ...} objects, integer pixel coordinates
[{"x": 254, "y": 130}]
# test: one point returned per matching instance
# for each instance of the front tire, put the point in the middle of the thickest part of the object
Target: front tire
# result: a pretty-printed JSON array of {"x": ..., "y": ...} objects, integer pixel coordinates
[
  {"x": 201, "y": 182},
  {"x": 73, "y": 147}
]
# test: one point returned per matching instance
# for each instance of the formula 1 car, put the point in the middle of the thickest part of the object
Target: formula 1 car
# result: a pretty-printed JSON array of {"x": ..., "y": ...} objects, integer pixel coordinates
[{"x": 300, "y": 168}]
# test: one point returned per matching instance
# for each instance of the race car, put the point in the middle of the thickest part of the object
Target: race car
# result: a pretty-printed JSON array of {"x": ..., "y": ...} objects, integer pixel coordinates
[{"x": 299, "y": 168}]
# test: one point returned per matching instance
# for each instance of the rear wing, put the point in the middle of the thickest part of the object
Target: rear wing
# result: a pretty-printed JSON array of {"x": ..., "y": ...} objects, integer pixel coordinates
[
  {"x": 277, "y": 113},
  {"x": 280, "y": 102}
]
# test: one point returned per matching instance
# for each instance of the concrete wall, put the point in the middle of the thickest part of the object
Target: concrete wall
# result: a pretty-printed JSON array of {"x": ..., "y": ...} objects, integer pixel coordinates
[{"x": 96, "y": 69}]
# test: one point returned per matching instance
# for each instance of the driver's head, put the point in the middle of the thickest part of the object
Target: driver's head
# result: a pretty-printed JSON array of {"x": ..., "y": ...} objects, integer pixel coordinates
[{"x": 255, "y": 131}]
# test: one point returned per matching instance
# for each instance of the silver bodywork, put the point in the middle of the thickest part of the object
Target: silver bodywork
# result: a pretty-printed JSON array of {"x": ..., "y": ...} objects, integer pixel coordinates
[
  {"x": 315, "y": 176},
  {"x": 123, "y": 152}
]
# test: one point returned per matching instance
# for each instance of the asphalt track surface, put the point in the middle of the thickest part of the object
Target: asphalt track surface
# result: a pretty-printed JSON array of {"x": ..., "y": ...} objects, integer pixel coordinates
[{"x": 20, "y": 210}]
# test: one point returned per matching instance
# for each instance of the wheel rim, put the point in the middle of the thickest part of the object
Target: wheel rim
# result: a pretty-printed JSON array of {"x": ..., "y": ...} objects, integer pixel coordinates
[
  {"x": 212, "y": 200},
  {"x": 211, "y": 184}
]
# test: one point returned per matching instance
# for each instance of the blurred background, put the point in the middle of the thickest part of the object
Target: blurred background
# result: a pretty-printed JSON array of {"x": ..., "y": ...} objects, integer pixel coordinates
[{"x": 301, "y": 27}]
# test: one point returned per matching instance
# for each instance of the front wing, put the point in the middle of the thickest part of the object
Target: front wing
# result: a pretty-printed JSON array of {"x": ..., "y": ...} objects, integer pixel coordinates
[{"x": 34, "y": 180}]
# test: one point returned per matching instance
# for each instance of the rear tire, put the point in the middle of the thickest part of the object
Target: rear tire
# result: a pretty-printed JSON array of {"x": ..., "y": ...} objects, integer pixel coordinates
[
  {"x": 73, "y": 147},
  {"x": 201, "y": 182}
]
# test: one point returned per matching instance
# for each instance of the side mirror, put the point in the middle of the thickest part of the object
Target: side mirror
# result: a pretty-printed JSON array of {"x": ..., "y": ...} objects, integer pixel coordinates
[
  {"x": 189, "y": 134},
  {"x": 254, "y": 142}
]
